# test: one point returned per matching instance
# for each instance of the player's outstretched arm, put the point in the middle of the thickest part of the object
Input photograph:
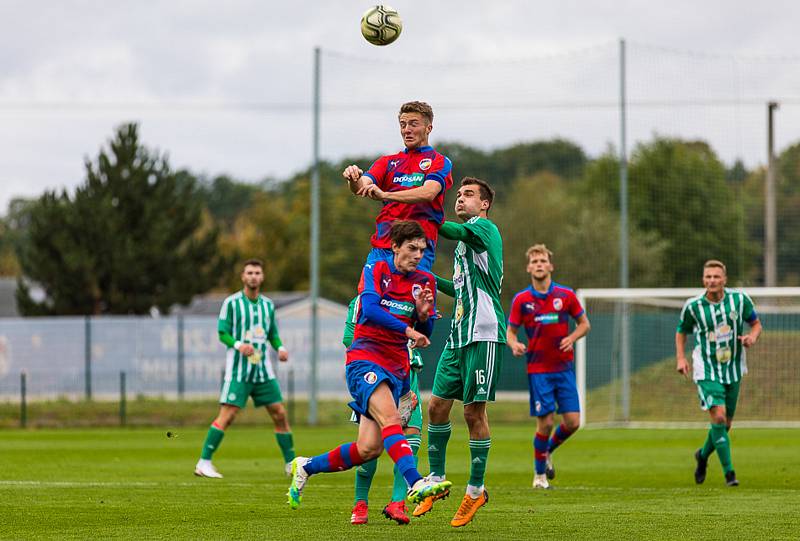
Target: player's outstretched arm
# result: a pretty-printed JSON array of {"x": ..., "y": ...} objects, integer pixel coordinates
[{"x": 445, "y": 286}]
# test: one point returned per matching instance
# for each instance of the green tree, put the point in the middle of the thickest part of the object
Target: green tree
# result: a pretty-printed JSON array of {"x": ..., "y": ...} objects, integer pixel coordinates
[
  {"x": 677, "y": 190},
  {"x": 134, "y": 236}
]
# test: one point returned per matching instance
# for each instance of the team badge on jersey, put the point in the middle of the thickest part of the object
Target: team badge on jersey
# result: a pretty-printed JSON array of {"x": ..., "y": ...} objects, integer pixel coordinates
[
  {"x": 370, "y": 377},
  {"x": 459, "y": 310},
  {"x": 558, "y": 304},
  {"x": 425, "y": 164},
  {"x": 416, "y": 289}
]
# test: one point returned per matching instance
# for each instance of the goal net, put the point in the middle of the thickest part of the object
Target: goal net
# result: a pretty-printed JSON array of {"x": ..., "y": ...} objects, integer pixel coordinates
[{"x": 626, "y": 365}]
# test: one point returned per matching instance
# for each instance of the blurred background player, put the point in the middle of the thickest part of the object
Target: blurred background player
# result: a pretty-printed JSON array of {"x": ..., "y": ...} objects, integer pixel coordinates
[
  {"x": 396, "y": 509},
  {"x": 411, "y": 184},
  {"x": 719, "y": 359},
  {"x": 468, "y": 366},
  {"x": 395, "y": 308},
  {"x": 246, "y": 324},
  {"x": 544, "y": 309}
]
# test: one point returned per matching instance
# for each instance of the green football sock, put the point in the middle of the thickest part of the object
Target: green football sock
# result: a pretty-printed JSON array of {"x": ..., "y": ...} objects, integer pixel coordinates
[
  {"x": 479, "y": 452},
  {"x": 213, "y": 439},
  {"x": 438, "y": 435},
  {"x": 722, "y": 443},
  {"x": 286, "y": 443},
  {"x": 400, "y": 487},
  {"x": 708, "y": 446},
  {"x": 364, "y": 475}
]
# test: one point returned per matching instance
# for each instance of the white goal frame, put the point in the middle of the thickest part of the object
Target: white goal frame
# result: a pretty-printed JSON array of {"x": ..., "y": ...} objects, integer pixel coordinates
[{"x": 633, "y": 293}]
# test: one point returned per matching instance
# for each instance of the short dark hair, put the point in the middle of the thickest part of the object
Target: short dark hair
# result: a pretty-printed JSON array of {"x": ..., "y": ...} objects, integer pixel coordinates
[
  {"x": 417, "y": 107},
  {"x": 253, "y": 262},
  {"x": 403, "y": 230},
  {"x": 487, "y": 192}
]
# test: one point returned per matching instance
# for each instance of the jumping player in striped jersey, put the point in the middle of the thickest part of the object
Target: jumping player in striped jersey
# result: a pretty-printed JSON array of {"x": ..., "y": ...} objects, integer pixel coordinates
[
  {"x": 396, "y": 307},
  {"x": 396, "y": 509},
  {"x": 717, "y": 319},
  {"x": 246, "y": 325},
  {"x": 469, "y": 364},
  {"x": 411, "y": 184},
  {"x": 544, "y": 308}
]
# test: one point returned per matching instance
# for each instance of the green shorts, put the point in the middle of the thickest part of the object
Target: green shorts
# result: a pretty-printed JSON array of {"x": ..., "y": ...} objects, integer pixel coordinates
[
  {"x": 714, "y": 393},
  {"x": 416, "y": 415},
  {"x": 235, "y": 393},
  {"x": 469, "y": 373}
]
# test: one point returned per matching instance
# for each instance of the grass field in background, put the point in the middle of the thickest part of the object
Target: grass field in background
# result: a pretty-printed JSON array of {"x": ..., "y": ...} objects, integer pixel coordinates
[{"x": 610, "y": 484}]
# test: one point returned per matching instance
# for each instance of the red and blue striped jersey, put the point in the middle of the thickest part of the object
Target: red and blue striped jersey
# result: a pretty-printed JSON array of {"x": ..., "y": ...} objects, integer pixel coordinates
[
  {"x": 545, "y": 317},
  {"x": 403, "y": 171},
  {"x": 396, "y": 292}
]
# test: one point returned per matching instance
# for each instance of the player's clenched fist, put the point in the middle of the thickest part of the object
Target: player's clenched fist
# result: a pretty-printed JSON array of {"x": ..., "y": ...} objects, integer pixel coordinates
[{"x": 352, "y": 173}]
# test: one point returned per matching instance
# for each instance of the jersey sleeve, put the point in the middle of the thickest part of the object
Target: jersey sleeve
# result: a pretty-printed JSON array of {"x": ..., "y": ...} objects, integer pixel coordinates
[
  {"x": 575, "y": 308},
  {"x": 749, "y": 312},
  {"x": 377, "y": 171},
  {"x": 481, "y": 233},
  {"x": 515, "y": 315},
  {"x": 440, "y": 172},
  {"x": 273, "y": 336},
  {"x": 686, "y": 323},
  {"x": 225, "y": 321}
]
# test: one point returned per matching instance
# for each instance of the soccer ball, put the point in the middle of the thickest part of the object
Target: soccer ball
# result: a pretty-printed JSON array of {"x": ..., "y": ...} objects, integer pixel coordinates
[{"x": 381, "y": 25}]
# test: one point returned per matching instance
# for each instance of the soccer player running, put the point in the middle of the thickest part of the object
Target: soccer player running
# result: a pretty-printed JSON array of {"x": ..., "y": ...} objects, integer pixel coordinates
[
  {"x": 396, "y": 306},
  {"x": 469, "y": 362},
  {"x": 411, "y": 184},
  {"x": 396, "y": 509},
  {"x": 246, "y": 324},
  {"x": 544, "y": 309},
  {"x": 717, "y": 319}
]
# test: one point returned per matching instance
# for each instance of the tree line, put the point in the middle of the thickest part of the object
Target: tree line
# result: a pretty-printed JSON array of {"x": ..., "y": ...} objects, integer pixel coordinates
[{"x": 138, "y": 235}]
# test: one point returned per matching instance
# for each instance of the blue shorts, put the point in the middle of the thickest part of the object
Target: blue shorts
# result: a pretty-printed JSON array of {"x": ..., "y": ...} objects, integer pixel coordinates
[
  {"x": 363, "y": 377},
  {"x": 551, "y": 388},
  {"x": 386, "y": 254}
]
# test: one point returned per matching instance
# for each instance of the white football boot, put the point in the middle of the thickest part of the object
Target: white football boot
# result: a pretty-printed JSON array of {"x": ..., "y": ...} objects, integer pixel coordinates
[{"x": 205, "y": 468}]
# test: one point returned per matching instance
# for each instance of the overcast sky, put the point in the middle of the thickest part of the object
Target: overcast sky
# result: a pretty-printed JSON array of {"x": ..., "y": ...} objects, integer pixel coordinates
[{"x": 225, "y": 87}]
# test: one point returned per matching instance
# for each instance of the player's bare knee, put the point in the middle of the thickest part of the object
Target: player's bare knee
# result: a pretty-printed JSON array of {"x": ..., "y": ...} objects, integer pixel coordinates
[{"x": 438, "y": 410}]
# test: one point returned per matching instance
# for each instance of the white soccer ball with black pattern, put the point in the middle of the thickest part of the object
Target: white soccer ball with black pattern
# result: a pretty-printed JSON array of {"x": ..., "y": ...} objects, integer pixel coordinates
[{"x": 381, "y": 25}]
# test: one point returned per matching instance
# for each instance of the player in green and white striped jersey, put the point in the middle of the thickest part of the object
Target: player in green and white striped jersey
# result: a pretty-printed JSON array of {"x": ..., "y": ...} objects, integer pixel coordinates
[
  {"x": 469, "y": 364},
  {"x": 246, "y": 324},
  {"x": 717, "y": 319}
]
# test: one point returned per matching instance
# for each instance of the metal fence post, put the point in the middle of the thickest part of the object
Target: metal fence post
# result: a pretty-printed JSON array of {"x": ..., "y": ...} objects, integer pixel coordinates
[
  {"x": 181, "y": 375},
  {"x": 87, "y": 370},
  {"x": 23, "y": 403},
  {"x": 290, "y": 392},
  {"x": 123, "y": 399}
]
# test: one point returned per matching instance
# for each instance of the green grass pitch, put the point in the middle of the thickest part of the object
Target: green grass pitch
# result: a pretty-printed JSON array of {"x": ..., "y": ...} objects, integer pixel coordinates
[{"x": 610, "y": 484}]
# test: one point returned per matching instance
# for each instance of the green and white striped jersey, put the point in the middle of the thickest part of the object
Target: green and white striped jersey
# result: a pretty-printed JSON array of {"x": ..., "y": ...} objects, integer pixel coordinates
[
  {"x": 718, "y": 354},
  {"x": 249, "y": 322},
  {"x": 477, "y": 278}
]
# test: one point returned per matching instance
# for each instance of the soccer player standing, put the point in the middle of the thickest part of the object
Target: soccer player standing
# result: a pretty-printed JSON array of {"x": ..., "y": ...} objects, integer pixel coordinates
[
  {"x": 246, "y": 324},
  {"x": 469, "y": 362},
  {"x": 411, "y": 184},
  {"x": 544, "y": 309},
  {"x": 717, "y": 319},
  {"x": 395, "y": 307},
  {"x": 396, "y": 509}
]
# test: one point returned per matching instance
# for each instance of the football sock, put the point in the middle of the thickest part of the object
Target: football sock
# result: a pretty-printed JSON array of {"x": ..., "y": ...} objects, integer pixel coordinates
[
  {"x": 561, "y": 433},
  {"x": 213, "y": 439},
  {"x": 286, "y": 443},
  {"x": 399, "y": 450},
  {"x": 399, "y": 488},
  {"x": 438, "y": 436},
  {"x": 364, "y": 475},
  {"x": 708, "y": 446},
  {"x": 342, "y": 458},
  {"x": 540, "y": 444},
  {"x": 722, "y": 444},
  {"x": 479, "y": 453}
]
